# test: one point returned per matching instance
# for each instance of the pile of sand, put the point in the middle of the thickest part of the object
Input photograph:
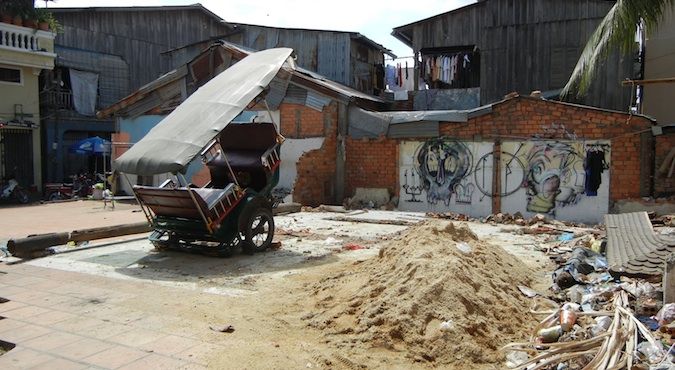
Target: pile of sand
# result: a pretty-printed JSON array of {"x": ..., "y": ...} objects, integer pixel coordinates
[{"x": 400, "y": 300}]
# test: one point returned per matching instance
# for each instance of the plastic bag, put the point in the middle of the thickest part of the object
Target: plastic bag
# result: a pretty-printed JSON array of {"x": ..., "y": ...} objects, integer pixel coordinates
[{"x": 666, "y": 314}]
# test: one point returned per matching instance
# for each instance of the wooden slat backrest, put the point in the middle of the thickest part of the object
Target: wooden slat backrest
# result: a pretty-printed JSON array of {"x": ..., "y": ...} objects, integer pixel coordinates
[{"x": 171, "y": 202}]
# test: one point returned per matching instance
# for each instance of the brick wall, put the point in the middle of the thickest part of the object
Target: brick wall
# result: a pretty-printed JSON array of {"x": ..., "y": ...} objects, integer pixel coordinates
[
  {"x": 375, "y": 163},
  {"x": 663, "y": 185},
  {"x": 527, "y": 118},
  {"x": 299, "y": 121},
  {"x": 120, "y": 144},
  {"x": 315, "y": 182},
  {"x": 371, "y": 164}
]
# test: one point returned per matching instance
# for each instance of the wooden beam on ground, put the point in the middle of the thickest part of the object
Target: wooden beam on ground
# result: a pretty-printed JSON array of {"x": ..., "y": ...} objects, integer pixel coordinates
[
  {"x": 287, "y": 208},
  {"x": 26, "y": 247},
  {"x": 648, "y": 82},
  {"x": 371, "y": 221}
]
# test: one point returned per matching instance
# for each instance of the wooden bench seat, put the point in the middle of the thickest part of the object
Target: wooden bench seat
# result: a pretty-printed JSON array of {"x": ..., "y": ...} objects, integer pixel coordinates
[{"x": 214, "y": 203}]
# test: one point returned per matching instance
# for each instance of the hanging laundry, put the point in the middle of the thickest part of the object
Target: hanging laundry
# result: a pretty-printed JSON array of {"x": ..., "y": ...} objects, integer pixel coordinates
[
  {"x": 400, "y": 75},
  {"x": 390, "y": 76}
]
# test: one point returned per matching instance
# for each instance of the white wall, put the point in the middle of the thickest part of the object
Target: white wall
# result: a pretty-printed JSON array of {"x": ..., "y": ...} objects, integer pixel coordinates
[
  {"x": 291, "y": 151},
  {"x": 548, "y": 177},
  {"x": 465, "y": 175}
]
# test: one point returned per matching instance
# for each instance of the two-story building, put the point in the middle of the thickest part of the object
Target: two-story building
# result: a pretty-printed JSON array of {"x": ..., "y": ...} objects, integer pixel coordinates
[{"x": 24, "y": 54}]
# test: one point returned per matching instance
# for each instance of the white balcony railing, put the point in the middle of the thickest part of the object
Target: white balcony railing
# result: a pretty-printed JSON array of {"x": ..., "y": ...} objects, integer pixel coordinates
[{"x": 22, "y": 38}]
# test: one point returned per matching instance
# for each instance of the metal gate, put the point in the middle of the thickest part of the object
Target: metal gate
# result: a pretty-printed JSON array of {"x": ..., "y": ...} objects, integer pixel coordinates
[{"x": 16, "y": 155}]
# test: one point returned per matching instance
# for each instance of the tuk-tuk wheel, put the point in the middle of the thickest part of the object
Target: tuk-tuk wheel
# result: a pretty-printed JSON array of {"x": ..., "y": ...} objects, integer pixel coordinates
[
  {"x": 259, "y": 231},
  {"x": 167, "y": 244}
]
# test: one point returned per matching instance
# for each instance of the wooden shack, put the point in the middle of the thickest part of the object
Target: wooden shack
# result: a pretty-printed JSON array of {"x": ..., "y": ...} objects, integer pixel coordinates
[{"x": 521, "y": 46}]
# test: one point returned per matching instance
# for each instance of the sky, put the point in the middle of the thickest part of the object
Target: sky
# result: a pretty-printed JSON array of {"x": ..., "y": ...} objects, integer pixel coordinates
[{"x": 374, "y": 19}]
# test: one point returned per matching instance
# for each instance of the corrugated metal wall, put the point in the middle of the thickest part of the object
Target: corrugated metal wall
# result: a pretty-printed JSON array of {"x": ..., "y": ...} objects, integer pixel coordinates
[
  {"x": 138, "y": 37},
  {"x": 328, "y": 53},
  {"x": 529, "y": 45}
]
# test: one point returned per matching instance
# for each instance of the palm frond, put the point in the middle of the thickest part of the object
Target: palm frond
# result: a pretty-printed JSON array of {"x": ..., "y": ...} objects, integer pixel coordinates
[{"x": 616, "y": 30}]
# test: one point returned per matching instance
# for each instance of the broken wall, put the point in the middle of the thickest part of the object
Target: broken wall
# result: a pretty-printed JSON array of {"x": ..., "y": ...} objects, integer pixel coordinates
[{"x": 315, "y": 169}]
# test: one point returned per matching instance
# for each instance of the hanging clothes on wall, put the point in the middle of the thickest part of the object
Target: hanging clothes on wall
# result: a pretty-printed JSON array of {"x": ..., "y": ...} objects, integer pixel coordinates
[
  {"x": 452, "y": 70},
  {"x": 594, "y": 165}
]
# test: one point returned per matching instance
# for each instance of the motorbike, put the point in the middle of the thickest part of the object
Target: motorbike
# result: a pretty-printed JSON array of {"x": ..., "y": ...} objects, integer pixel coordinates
[
  {"x": 13, "y": 191},
  {"x": 80, "y": 187}
]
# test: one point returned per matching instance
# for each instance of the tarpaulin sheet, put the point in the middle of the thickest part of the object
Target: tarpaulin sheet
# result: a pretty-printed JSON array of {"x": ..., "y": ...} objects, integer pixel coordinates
[{"x": 85, "y": 88}]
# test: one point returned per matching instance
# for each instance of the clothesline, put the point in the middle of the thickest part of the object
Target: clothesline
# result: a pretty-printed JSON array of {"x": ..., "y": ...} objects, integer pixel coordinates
[{"x": 398, "y": 58}]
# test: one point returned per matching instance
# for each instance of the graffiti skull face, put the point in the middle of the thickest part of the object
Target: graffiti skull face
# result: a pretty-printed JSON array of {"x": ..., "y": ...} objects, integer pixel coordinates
[{"x": 442, "y": 164}]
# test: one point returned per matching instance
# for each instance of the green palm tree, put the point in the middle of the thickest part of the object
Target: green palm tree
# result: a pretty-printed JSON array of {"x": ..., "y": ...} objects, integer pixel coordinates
[{"x": 617, "y": 30}]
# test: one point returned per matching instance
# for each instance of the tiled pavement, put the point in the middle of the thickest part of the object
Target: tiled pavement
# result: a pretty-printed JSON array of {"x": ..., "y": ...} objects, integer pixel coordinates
[{"x": 65, "y": 320}]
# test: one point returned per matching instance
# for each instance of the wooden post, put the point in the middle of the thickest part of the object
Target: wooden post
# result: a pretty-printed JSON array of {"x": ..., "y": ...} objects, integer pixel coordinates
[
  {"x": 25, "y": 247},
  {"x": 669, "y": 281}
]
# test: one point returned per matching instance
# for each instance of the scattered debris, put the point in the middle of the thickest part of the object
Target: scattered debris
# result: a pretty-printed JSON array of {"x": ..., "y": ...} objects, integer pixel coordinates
[
  {"x": 222, "y": 328},
  {"x": 353, "y": 247},
  {"x": 527, "y": 291}
]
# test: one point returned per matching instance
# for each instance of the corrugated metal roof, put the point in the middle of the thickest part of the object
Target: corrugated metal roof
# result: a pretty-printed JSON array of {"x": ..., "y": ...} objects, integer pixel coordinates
[
  {"x": 146, "y": 89},
  {"x": 336, "y": 86},
  {"x": 316, "y": 101},
  {"x": 634, "y": 247},
  {"x": 277, "y": 91},
  {"x": 196, "y": 6},
  {"x": 414, "y": 129},
  {"x": 303, "y": 78},
  {"x": 353, "y": 35},
  {"x": 295, "y": 95}
]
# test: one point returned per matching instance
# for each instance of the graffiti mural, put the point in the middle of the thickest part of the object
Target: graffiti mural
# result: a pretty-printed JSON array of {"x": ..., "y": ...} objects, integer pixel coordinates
[
  {"x": 442, "y": 164},
  {"x": 551, "y": 176},
  {"x": 439, "y": 174},
  {"x": 555, "y": 174},
  {"x": 566, "y": 179}
]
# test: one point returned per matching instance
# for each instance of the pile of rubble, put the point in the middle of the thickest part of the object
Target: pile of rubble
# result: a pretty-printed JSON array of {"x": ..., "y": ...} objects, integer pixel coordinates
[
  {"x": 504, "y": 219},
  {"x": 597, "y": 317}
]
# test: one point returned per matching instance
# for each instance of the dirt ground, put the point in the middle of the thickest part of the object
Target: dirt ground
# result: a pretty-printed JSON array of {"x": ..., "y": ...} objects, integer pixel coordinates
[{"x": 270, "y": 298}]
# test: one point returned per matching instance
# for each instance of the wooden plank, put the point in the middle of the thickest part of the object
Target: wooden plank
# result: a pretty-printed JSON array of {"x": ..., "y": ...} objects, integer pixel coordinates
[
  {"x": 669, "y": 281},
  {"x": 648, "y": 82}
]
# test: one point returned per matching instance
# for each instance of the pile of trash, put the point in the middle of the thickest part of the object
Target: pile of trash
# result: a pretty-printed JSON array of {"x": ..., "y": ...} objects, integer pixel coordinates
[
  {"x": 436, "y": 294},
  {"x": 504, "y": 219},
  {"x": 595, "y": 318}
]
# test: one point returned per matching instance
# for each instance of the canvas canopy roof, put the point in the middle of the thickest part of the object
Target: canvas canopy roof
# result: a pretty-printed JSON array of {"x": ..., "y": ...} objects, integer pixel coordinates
[{"x": 177, "y": 139}]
